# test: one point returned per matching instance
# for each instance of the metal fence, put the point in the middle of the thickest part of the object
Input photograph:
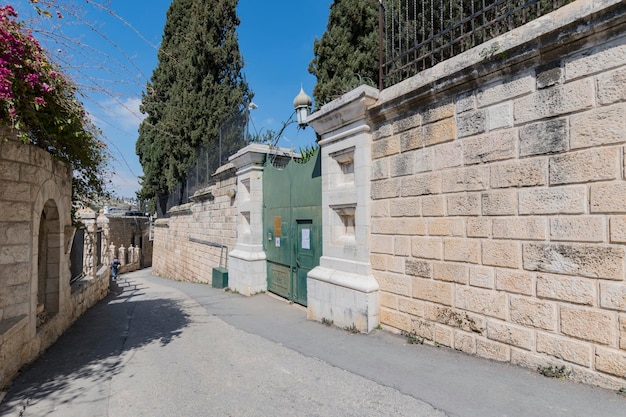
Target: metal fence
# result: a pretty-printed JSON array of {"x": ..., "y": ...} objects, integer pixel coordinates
[
  {"x": 417, "y": 35},
  {"x": 208, "y": 158},
  {"x": 99, "y": 247},
  {"x": 77, "y": 254}
]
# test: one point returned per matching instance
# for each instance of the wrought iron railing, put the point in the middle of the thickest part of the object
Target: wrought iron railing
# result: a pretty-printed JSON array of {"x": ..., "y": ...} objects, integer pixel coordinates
[
  {"x": 418, "y": 34},
  {"x": 77, "y": 254},
  {"x": 208, "y": 158},
  {"x": 99, "y": 247}
]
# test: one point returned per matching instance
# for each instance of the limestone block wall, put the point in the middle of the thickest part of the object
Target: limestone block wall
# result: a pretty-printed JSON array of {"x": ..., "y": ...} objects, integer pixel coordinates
[
  {"x": 37, "y": 303},
  {"x": 182, "y": 247},
  {"x": 247, "y": 269},
  {"x": 125, "y": 230},
  {"x": 342, "y": 289},
  {"x": 133, "y": 231},
  {"x": 499, "y": 197}
]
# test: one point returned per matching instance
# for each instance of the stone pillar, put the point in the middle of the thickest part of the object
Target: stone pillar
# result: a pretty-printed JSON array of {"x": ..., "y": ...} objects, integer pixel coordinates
[
  {"x": 137, "y": 257},
  {"x": 90, "y": 262},
  {"x": 112, "y": 252},
  {"x": 247, "y": 267},
  {"x": 131, "y": 255},
  {"x": 121, "y": 255},
  {"x": 103, "y": 225},
  {"x": 343, "y": 289}
]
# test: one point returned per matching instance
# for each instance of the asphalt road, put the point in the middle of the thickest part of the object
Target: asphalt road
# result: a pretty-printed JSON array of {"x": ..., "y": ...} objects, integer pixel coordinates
[{"x": 156, "y": 347}]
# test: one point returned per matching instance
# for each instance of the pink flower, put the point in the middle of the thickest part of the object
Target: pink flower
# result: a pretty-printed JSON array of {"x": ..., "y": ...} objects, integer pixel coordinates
[
  {"x": 7, "y": 11},
  {"x": 46, "y": 88},
  {"x": 6, "y": 91},
  {"x": 40, "y": 101},
  {"x": 32, "y": 79}
]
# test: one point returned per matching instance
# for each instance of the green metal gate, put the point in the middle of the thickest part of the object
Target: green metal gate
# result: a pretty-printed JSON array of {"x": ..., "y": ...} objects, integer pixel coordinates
[{"x": 292, "y": 220}]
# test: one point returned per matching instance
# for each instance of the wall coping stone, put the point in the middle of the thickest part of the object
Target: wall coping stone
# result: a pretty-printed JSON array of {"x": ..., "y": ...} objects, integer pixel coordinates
[
  {"x": 87, "y": 214},
  {"x": 203, "y": 194},
  {"x": 82, "y": 284},
  {"x": 247, "y": 255},
  {"x": 357, "y": 282},
  {"x": 504, "y": 45},
  {"x": 223, "y": 171},
  {"x": 256, "y": 153},
  {"x": 349, "y": 108},
  {"x": 180, "y": 210},
  {"x": 7, "y": 325},
  {"x": 162, "y": 223}
]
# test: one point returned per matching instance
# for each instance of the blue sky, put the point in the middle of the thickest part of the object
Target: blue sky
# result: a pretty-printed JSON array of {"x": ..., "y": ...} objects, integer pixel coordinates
[{"x": 112, "y": 55}]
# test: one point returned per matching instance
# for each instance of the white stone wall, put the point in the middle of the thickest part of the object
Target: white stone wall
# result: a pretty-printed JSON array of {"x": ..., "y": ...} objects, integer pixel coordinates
[
  {"x": 132, "y": 231},
  {"x": 247, "y": 267},
  {"x": 499, "y": 198},
  {"x": 212, "y": 217},
  {"x": 32, "y": 318},
  {"x": 342, "y": 289}
]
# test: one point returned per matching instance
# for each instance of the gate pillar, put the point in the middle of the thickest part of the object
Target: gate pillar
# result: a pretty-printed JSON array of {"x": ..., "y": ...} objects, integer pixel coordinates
[
  {"x": 247, "y": 269},
  {"x": 342, "y": 289},
  {"x": 90, "y": 261}
]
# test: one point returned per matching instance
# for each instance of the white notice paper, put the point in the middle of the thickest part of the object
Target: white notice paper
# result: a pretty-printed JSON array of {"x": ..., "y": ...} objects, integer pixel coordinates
[{"x": 306, "y": 238}]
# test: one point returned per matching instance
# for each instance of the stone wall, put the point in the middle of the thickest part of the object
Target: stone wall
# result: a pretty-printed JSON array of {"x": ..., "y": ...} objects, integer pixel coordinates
[
  {"x": 126, "y": 231},
  {"x": 184, "y": 243},
  {"x": 499, "y": 197},
  {"x": 37, "y": 303},
  {"x": 343, "y": 289}
]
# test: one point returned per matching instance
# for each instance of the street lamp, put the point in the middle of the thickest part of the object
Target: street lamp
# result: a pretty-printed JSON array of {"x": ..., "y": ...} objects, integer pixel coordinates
[
  {"x": 251, "y": 106},
  {"x": 302, "y": 103}
]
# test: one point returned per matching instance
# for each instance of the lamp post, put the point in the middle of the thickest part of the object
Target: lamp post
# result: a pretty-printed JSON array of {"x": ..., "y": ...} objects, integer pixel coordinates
[
  {"x": 251, "y": 106},
  {"x": 302, "y": 103}
]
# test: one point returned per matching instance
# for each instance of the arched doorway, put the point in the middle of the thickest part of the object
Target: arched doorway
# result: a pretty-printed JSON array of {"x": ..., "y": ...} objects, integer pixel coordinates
[{"x": 48, "y": 263}]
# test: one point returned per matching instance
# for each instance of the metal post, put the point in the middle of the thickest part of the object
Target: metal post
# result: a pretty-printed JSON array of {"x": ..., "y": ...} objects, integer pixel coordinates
[
  {"x": 220, "y": 145},
  {"x": 381, "y": 9}
]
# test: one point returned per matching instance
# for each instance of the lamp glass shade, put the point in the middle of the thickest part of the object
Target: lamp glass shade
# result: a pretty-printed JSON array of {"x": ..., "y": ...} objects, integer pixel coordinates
[{"x": 302, "y": 113}]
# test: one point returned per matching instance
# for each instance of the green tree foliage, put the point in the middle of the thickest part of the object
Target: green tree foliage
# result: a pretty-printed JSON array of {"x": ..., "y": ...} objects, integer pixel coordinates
[
  {"x": 196, "y": 86},
  {"x": 347, "y": 54},
  {"x": 307, "y": 153},
  {"x": 269, "y": 137}
]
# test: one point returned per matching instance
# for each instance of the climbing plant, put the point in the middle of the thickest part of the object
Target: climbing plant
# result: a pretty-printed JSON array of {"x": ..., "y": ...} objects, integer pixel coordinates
[{"x": 42, "y": 106}]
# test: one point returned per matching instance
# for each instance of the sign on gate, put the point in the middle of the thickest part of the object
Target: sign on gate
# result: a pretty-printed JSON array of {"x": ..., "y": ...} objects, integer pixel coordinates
[{"x": 292, "y": 220}]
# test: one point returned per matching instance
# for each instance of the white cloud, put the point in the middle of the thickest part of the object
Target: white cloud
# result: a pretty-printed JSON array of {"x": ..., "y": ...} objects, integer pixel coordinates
[{"x": 123, "y": 113}]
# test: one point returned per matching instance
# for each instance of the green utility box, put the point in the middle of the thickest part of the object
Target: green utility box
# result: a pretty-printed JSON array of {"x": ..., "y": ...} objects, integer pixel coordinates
[{"x": 220, "y": 277}]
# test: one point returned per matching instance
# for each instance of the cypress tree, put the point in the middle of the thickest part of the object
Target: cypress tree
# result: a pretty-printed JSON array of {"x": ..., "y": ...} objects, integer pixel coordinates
[
  {"x": 347, "y": 54},
  {"x": 196, "y": 85}
]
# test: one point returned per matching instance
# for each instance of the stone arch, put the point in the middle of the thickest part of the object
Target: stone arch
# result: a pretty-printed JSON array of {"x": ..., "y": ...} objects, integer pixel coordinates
[
  {"x": 49, "y": 252},
  {"x": 50, "y": 215}
]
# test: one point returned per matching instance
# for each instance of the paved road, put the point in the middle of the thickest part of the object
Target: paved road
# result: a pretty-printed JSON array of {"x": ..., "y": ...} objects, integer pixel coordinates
[{"x": 156, "y": 347}]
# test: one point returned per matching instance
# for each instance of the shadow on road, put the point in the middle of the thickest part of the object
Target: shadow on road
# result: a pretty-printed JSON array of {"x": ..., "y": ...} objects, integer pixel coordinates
[{"x": 90, "y": 349}]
